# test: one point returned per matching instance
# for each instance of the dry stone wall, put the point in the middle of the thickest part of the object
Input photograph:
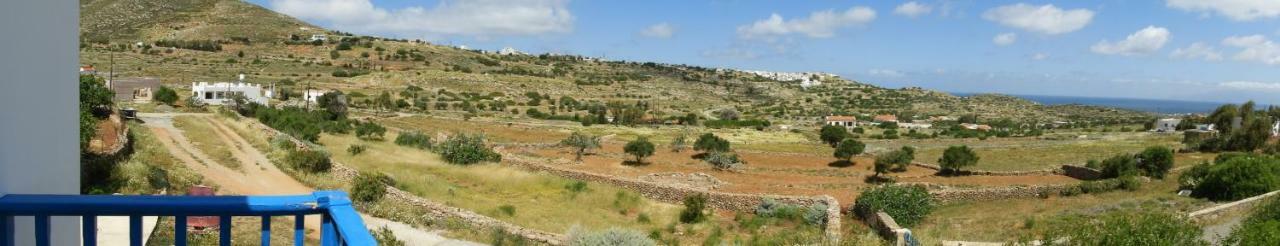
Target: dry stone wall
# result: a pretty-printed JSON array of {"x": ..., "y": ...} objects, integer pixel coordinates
[
  {"x": 948, "y": 194},
  {"x": 1081, "y": 173},
  {"x": 991, "y": 173}
]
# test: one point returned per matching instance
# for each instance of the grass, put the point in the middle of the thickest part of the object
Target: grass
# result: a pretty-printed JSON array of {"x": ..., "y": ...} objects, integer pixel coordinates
[
  {"x": 244, "y": 231},
  {"x": 151, "y": 169},
  {"x": 1020, "y": 154},
  {"x": 203, "y": 135},
  {"x": 542, "y": 200},
  {"x": 982, "y": 221}
]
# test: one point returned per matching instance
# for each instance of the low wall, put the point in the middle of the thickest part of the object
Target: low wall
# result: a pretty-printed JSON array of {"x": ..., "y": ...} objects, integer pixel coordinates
[
  {"x": 1081, "y": 173},
  {"x": 990, "y": 173},
  {"x": 887, "y": 228},
  {"x": 1242, "y": 204},
  {"x": 947, "y": 195}
]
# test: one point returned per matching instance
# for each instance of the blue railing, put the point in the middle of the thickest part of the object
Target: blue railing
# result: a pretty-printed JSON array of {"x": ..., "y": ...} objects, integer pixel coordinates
[{"x": 341, "y": 225}]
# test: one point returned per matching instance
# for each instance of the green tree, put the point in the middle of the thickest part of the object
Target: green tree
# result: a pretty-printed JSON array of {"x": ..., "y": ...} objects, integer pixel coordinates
[
  {"x": 832, "y": 135},
  {"x": 333, "y": 54},
  {"x": 166, "y": 95},
  {"x": 369, "y": 187},
  {"x": 370, "y": 131},
  {"x": 1120, "y": 166},
  {"x": 708, "y": 142},
  {"x": 956, "y": 157},
  {"x": 581, "y": 142},
  {"x": 94, "y": 97},
  {"x": 1156, "y": 161},
  {"x": 384, "y": 101},
  {"x": 695, "y": 207},
  {"x": 849, "y": 148},
  {"x": 895, "y": 160},
  {"x": 640, "y": 148},
  {"x": 335, "y": 103}
]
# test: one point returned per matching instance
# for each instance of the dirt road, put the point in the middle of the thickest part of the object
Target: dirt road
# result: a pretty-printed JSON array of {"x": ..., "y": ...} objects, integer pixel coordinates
[{"x": 257, "y": 175}]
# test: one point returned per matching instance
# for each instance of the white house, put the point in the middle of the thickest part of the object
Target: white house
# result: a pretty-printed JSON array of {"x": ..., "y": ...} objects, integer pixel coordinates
[
  {"x": 220, "y": 93},
  {"x": 312, "y": 95},
  {"x": 1166, "y": 125},
  {"x": 1275, "y": 129},
  {"x": 915, "y": 125},
  {"x": 845, "y": 121},
  {"x": 319, "y": 37}
]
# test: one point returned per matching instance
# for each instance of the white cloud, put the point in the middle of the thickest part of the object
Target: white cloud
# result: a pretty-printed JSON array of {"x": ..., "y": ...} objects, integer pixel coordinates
[
  {"x": 1238, "y": 10},
  {"x": 913, "y": 9},
  {"x": 1198, "y": 50},
  {"x": 1005, "y": 38},
  {"x": 1254, "y": 48},
  {"x": 660, "y": 30},
  {"x": 1039, "y": 56},
  {"x": 884, "y": 73},
  {"x": 1147, "y": 40},
  {"x": 1047, "y": 19},
  {"x": 821, "y": 24},
  {"x": 1251, "y": 85},
  {"x": 476, "y": 18}
]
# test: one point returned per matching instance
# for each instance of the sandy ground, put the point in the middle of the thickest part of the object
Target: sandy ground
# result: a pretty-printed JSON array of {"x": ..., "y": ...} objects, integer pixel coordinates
[{"x": 257, "y": 176}]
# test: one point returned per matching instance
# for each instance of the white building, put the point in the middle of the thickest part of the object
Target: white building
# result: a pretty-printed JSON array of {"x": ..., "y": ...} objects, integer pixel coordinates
[
  {"x": 1275, "y": 129},
  {"x": 319, "y": 37},
  {"x": 1166, "y": 125},
  {"x": 312, "y": 95},
  {"x": 220, "y": 93},
  {"x": 510, "y": 51},
  {"x": 845, "y": 121},
  {"x": 806, "y": 79}
]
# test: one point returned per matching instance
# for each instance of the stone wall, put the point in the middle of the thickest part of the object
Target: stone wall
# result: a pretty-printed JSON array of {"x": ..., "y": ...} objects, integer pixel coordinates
[
  {"x": 1081, "y": 173},
  {"x": 1242, "y": 204},
  {"x": 947, "y": 194},
  {"x": 887, "y": 228},
  {"x": 991, "y": 173}
]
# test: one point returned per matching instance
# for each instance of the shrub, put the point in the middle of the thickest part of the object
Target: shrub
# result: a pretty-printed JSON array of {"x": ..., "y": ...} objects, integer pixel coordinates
[
  {"x": 356, "y": 149},
  {"x": 370, "y": 131},
  {"x": 816, "y": 214},
  {"x": 1239, "y": 178},
  {"x": 466, "y": 149},
  {"x": 908, "y": 205},
  {"x": 386, "y": 237},
  {"x": 722, "y": 160},
  {"x": 640, "y": 148},
  {"x": 1262, "y": 227},
  {"x": 1156, "y": 161},
  {"x": 611, "y": 237},
  {"x": 308, "y": 160},
  {"x": 166, "y": 95},
  {"x": 369, "y": 187},
  {"x": 1119, "y": 166},
  {"x": 849, "y": 148},
  {"x": 956, "y": 157},
  {"x": 711, "y": 143},
  {"x": 695, "y": 207},
  {"x": 770, "y": 208},
  {"x": 1193, "y": 176},
  {"x": 897, "y": 159},
  {"x": 414, "y": 139},
  {"x": 832, "y": 135},
  {"x": 1125, "y": 228}
]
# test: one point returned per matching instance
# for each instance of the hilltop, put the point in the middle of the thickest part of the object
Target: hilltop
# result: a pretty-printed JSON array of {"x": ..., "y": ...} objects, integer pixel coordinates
[{"x": 226, "y": 37}]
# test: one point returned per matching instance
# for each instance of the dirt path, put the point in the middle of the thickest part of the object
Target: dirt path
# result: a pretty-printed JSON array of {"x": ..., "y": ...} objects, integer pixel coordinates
[{"x": 259, "y": 176}]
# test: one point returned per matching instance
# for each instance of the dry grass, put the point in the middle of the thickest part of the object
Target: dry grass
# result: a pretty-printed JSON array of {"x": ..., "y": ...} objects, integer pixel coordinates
[
  {"x": 205, "y": 138},
  {"x": 151, "y": 169},
  {"x": 244, "y": 231},
  {"x": 1015, "y": 154}
]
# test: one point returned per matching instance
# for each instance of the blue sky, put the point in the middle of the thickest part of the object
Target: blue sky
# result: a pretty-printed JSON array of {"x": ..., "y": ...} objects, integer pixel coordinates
[{"x": 1202, "y": 50}]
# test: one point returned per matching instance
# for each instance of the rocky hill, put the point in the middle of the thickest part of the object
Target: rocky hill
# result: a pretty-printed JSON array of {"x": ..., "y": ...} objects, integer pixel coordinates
[{"x": 274, "y": 48}]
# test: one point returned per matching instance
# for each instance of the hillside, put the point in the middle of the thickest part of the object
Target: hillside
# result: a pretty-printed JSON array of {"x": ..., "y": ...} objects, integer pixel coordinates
[{"x": 264, "y": 44}]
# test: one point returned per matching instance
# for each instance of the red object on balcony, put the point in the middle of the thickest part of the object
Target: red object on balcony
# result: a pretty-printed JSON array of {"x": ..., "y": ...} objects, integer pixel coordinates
[{"x": 201, "y": 222}]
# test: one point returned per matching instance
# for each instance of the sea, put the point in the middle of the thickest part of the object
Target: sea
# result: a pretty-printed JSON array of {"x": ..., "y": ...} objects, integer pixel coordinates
[{"x": 1147, "y": 105}]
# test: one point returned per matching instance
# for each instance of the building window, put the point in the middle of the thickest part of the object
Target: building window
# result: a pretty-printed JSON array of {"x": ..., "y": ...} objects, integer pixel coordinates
[{"x": 208, "y": 95}]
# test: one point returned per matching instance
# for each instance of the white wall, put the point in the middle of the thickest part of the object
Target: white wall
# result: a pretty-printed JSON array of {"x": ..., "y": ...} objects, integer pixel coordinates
[{"x": 39, "y": 141}]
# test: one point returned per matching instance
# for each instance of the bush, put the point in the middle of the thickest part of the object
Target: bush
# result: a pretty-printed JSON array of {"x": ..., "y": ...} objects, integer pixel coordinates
[
  {"x": 695, "y": 207},
  {"x": 1125, "y": 228},
  {"x": 386, "y": 237},
  {"x": 908, "y": 205},
  {"x": 611, "y": 237},
  {"x": 466, "y": 149},
  {"x": 770, "y": 208},
  {"x": 370, "y": 131},
  {"x": 1156, "y": 161},
  {"x": 711, "y": 143},
  {"x": 848, "y": 148},
  {"x": 166, "y": 95},
  {"x": 414, "y": 139},
  {"x": 895, "y": 160},
  {"x": 1261, "y": 228},
  {"x": 956, "y": 157},
  {"x": 356, "y": 149},
  {"x": 816, "y": 214},
  {"x": 581, "y": 142},
  {"x": 722, "y": 160},
  {"x": 313, "y": 161},
  {"x": 1238, "y": 178},
  {"x": 1119, "y": 166},
  {"x": 640, "y": 148},
  {"x": 369, "y": 187}
]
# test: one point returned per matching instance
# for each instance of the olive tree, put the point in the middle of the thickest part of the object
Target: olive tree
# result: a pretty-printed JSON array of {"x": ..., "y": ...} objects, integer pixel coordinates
[
  {"x": 640, "y": 148},
  {"x": 581, "y": 142},
  {"x": 832, "y": 135},
  {"x": 849, "y": 148},
  {"x": 956, "y": 157}
]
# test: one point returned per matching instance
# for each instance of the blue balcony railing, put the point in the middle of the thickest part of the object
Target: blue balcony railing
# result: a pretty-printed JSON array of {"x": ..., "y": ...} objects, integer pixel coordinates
[{"x": 341, "y": 225}]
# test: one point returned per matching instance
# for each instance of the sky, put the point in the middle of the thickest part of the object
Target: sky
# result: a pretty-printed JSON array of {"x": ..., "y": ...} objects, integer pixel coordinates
[{"x": 1196, "y": 50}]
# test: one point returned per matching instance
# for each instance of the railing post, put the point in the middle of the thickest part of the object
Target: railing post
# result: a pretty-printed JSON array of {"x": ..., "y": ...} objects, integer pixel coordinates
[
  {"x": 6, "y": 230},
  {"x": 266, "y": 230},
  {"x": 42, "y": 230},
  {"x": 180, "y": 230},
  {"x": 89, "y": 229},
  {"x": 328, "y": 233},
  {"x": 224, "y": 230},
  {"x": 135, "y": 230},
  {"x": 298, "y": 230}
]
